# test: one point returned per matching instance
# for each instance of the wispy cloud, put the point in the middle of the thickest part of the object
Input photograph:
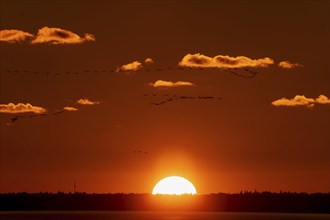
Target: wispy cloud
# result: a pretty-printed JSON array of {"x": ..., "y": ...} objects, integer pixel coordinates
[
  {"x": 45, "y": 35},
  {"x": 14, "y": 36},
  {"x": 288, "y": 65},
  {"x": 132, "y": 67},
  {"x": 70, "y": 109},
  {"x": 223, "y": 61},
  {"x": 162, "y": 83},
  {"x": 87, "y": 102},
  {"x": 21, "y": 108},
  {"x": 48, "y": 35},
  {"x": 301, "y": 100}
]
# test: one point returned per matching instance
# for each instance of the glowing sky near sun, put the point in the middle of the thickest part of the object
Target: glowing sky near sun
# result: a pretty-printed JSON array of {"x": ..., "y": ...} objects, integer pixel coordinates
[{"x": 116, "y": 95}]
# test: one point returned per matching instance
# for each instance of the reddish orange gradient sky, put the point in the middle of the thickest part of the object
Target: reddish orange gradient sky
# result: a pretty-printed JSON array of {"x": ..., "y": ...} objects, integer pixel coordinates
[{"x": 84, "y": 116}]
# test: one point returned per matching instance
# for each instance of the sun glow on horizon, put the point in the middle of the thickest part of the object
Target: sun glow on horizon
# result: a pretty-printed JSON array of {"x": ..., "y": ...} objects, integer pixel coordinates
[{"x": 174, "y": 185}]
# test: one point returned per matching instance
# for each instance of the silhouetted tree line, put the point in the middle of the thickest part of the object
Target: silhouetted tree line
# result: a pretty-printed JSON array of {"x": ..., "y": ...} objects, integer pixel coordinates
[{"x": 284, "y": 202}]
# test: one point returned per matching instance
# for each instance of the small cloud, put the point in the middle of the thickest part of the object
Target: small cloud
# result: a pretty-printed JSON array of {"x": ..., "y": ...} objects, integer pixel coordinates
[
  {"x": 288, "y": 65},
  {"x": 14, "y": 36},
  {"x": 70, "y": 109},
  {"x": 89, "y": 37},
  {"x": 148, "y": 60},
  {"x": 87, "y": 102},
  {"x": 322, "y": 99},
  {"x": 48, "y": 35},
  {"x": 45, "y": 35},
  {"x": 298, "y": 100},
  {"x": 134, "y": 66},
  {"x": 223, "y": 61},
  {"x": 21, "y": 108},
  {"x": 301, "y": 100},
  {"x": 162, "y": 83}
]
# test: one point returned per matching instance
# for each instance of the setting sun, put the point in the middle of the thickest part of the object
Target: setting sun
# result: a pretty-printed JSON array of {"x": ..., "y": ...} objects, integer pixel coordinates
[{"x": 174, "y": 185}]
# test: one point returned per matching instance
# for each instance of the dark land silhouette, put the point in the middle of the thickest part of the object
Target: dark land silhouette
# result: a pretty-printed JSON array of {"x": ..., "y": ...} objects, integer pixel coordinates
[{"x": 242, "y": 202}]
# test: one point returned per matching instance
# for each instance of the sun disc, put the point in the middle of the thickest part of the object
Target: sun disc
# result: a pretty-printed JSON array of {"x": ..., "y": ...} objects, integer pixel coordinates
[{"x": 174, "y": 185}]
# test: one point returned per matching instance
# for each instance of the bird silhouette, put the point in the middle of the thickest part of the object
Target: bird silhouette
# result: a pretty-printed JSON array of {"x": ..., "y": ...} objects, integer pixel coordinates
[
  {"x": 58, "y": 112},
  {"x": 140, "y": 152},
  {"x": 14, "y": 119}
]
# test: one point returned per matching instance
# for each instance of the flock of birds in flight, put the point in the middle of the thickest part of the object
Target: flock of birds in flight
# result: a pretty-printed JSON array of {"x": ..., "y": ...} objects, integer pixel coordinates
[
  {"x": 240, "y": 72},
  {"x": 168, "y": 99},
  {"x": 173, "y": 98},
  {"x": 19, "y": 117}
]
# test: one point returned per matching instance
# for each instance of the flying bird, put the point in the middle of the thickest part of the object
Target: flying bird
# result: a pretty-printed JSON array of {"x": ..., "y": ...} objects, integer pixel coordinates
[
  {"x": 140, "y": 152},
  {"x": 14, "y": 119},
  {"x": 58, "y": 112}
]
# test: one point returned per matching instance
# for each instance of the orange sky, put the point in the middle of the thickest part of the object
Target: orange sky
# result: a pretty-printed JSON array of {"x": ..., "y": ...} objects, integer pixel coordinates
[{"x": 89, "y": 98}]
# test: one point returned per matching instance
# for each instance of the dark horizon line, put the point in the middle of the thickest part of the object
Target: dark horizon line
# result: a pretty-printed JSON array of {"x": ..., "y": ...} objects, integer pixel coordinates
[
  {"x": 186, "y": 194},
  {"x": 244, "y": 202}
]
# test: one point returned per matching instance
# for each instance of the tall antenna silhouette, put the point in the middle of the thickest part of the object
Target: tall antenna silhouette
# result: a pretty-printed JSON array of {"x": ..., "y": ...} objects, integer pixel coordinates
[{"x": 74, "y": 187}]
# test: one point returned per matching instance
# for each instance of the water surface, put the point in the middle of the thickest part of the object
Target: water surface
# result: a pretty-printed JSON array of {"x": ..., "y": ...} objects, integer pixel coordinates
[{"x": 106, "y": 215}]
